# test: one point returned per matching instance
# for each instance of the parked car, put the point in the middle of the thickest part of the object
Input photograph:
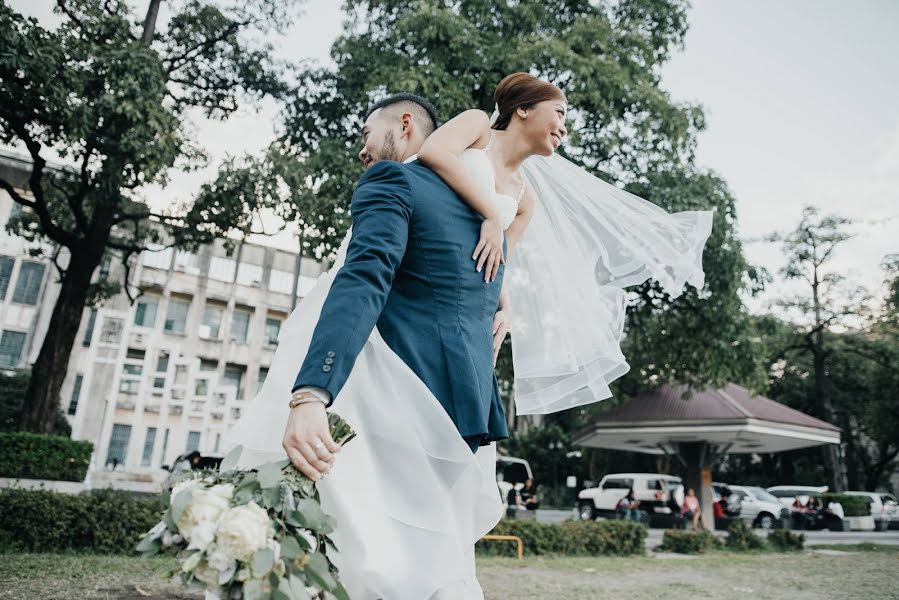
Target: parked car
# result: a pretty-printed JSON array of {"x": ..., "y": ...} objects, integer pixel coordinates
[
  {"x": 656, "y": 493},
  {"x": 511, "y": 473},
  {"x": 758, "y": 508},
  {"x": 787, "y": 493},
  {"x": 884, "y": 508}
]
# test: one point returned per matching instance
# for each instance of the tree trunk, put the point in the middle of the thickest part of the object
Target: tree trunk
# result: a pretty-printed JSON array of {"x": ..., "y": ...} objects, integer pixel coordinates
[
  {"x": 150, "y": 22},
  {"x": 49, "y": 370}
]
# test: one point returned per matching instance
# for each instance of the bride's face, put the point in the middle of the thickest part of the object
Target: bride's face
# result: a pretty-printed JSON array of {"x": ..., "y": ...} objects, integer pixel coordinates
[{"x": 544, "y": 126}]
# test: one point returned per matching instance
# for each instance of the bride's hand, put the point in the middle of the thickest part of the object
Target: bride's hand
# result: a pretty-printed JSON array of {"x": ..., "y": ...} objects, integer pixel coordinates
[
  {"x": 501, "y": 326},
  {"x": 489, "y": 251},
  {"x": 307, "y": 440}
]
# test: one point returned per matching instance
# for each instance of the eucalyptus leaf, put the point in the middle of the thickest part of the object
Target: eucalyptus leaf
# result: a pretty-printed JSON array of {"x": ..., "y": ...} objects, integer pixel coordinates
[
  {"x": 311, "y": 515},
  {"x": 271, "y": 496},
  {"x": 149, "y": 546},
  {"x": 263, "y": 561},
  {"x": 179, "y": 503},
  {"x": 192, "y": 561},
  {"x": 270, "y": 474},
  {"x": 229, "y": 463},
  {"x": 290, "y": 548},
  {"x": 320, "y": 570}
]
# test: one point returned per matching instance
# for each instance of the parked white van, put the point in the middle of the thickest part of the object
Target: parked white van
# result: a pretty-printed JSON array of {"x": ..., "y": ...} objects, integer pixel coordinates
[{"x": 653, "y": 490}]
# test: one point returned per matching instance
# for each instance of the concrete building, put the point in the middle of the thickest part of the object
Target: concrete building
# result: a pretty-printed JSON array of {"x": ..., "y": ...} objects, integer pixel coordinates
[{"x": 170, "y": 373}]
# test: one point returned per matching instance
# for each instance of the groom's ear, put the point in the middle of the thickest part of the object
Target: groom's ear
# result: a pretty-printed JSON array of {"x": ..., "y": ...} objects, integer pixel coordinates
[{"x": 407, "y": 120}]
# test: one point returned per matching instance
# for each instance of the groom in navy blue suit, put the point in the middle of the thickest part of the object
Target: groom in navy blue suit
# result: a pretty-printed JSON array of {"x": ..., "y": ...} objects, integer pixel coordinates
[{"x": 409, "y": 272}]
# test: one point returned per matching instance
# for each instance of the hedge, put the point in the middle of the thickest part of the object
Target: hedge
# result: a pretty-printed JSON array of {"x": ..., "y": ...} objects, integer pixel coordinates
[
  {"x": 689, "y": 542},
  {"x": 569, "y": 538},
  {"x": 102, "y": 521},
  {"x": 12, "y": 398},
  {"x": 853, "y": 506},
  {"x": 38, "y": 456},
  {"x": 741, "y": 537},
  {"x": 786, "y": 541}
]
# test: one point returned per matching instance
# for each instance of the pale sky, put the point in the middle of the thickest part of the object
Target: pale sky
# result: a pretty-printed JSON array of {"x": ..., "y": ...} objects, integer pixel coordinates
[{"x": 801, "y": 100}]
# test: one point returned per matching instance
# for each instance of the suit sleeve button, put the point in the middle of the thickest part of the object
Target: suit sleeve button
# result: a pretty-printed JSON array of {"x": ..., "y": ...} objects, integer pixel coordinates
[
  {"x": 326, "y": 368},
  {"x": 329, "y": 361},
  {"x": 331, "y": 354}
]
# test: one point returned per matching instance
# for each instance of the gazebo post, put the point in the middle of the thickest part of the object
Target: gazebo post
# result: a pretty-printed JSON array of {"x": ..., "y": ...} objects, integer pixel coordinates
[{"x": 698, "y": 475}]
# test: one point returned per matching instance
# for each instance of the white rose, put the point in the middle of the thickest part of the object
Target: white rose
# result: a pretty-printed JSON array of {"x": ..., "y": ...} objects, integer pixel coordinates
[
  {"x": 243, "y": 530},
  {"x": 203, "y": 506},
  {"x": 202, "y": 535},
  {"x": 187, "y": 484},
  {"x": 223, "y": 490}
]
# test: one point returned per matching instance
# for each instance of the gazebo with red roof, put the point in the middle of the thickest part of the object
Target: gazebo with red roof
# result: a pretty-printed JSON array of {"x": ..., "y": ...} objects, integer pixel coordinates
[{"x": 699, "y": 426}]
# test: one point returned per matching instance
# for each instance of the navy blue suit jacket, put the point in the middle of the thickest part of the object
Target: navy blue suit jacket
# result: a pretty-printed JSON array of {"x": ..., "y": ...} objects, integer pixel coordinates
[{"x": 409, "y": 271}]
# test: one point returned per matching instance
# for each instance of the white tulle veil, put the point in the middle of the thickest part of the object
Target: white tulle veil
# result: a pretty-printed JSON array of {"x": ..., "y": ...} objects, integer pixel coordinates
[{"x": 587, "y": 241}]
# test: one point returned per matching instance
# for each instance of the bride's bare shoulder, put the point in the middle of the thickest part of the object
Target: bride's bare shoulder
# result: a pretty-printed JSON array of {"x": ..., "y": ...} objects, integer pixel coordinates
[
  {"x": 469, "y": 129},
  {"x": 477, "y": 121}
]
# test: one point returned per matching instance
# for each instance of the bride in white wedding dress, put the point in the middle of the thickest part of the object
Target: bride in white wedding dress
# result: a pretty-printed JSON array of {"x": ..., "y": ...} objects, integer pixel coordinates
[{"x": 410, "y": 497}]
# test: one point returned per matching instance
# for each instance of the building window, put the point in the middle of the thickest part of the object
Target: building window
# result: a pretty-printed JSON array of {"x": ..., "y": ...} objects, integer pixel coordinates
[
  {"x": 193, "y": 441},
  {"x": 263, "y": 373},
  {"x": 129, "y": 386},
  {"x": 31, "y": 274},
  {"x": 248, "y": 274},
  {"x": 149, "y": 442},
  {"x": 207, "y": 364},
  {"x": 222, "y": 268},
  {"x": 89, "y": 331},
  {"x": 11, "y": 345},
  {"x": 234, "y": 377},
  {"x": 272, "y": 329},
  {"x": 201, "y": 387},
  {"x": 280, "y": 281},
  {"x": 145, "y": 314},
  {"x": 210, "y": 328},
  {"x": 118, "y": 445},
  {"x": 157, "y": 256},
  {"x": 162, "y": 363},
  {"x": 240, "y": 325},
  {"x": 218, "y": 442},
  {"x": 112, "y": 331},
  {"x": 180, "y": 374},
  {"x": 176, "y": 315},
  {"x": 6, "y": 265},
  {"x": 76, "y": 393},
  {"x": 158, "y": 385},
  {"x": 165, "y": 444}
]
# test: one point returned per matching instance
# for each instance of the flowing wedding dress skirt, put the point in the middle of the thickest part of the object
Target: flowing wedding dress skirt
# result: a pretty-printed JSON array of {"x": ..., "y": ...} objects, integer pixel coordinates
[{"x": 409, "y": 496}]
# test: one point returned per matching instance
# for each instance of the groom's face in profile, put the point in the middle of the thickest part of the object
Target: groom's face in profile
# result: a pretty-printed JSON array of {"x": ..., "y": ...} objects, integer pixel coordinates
[{"x": 388, "y": 134}]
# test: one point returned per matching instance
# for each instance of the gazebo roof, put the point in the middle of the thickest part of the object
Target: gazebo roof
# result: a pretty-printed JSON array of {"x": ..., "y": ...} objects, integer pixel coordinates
[{"x": 730, "y": 417}]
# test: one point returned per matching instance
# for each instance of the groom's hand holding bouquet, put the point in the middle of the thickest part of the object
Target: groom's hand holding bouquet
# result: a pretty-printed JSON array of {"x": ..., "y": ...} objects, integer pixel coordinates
[{"x": 256, "y": 534}]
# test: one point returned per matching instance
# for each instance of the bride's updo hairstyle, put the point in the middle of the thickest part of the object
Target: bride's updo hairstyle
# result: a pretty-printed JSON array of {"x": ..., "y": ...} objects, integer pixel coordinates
[{"x": 521, "y": 90}]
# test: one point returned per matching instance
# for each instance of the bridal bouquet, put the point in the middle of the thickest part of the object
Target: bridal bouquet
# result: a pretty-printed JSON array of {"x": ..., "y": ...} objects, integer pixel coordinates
[{"x": 251, "y": 534}]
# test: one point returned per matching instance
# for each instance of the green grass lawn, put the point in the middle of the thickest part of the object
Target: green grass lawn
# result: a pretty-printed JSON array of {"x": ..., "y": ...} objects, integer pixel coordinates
[{"x": 860, "y": 573}]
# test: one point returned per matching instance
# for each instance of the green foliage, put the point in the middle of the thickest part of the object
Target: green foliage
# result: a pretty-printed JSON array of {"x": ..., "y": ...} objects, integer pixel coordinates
[
  {"x": 689, "y": 542},
  {"x": 570, "y": 538},
  {"x": 853, "y": 506},
  {"x": 606, "y": 56},
  {"x": 37, "y": 456},
  {"x": 740, "y": 537},
  {"x": 97, "y": 522},
  {"x": 785, "y": 540},
  {"x": 12, "y": 396}
]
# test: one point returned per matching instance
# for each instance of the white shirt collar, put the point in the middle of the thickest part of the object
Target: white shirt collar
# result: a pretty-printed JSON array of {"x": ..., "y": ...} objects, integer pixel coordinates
[{"x": 410, "y": 159}]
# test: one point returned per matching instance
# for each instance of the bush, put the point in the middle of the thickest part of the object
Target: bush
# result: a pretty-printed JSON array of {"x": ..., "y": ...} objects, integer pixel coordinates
[
  {"x": 12, "y": 397},
  {"x": 689, "y": 542},
  {"x": 740, "y": 537},
  {"x": 853, "y": 506},
  {"x": 786, "y": 541},
  {"x": 571, "y": 538},
  {"x": 38, "y": 456},
  {"x": 103, "y": 521}
]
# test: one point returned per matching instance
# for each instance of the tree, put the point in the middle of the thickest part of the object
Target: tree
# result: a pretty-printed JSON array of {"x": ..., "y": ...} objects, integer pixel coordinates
[
  {"x": 826, "y": 302},
  {"x": 113, "y": 97},
  {"x": 607, "y": 57}
]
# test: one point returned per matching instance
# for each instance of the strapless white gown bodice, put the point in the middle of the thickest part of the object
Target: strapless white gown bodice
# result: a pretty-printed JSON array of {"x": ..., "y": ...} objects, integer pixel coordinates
[{"x": 478, "y": 165}]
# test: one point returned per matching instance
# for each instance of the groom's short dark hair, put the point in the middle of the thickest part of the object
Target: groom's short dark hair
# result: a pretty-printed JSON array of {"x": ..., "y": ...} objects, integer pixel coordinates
[{"x": 423, "y": 111}]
